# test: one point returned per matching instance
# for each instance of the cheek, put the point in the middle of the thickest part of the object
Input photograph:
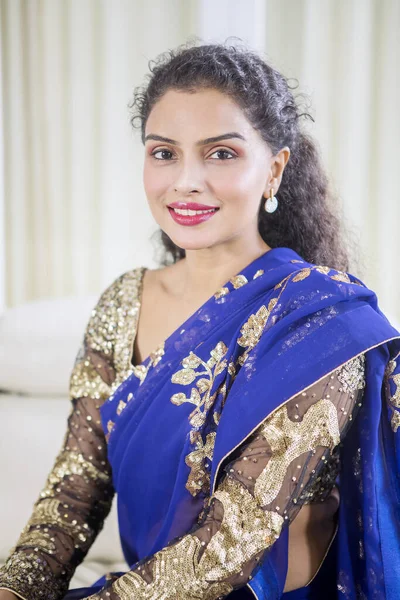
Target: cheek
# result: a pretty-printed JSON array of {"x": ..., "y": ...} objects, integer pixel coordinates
[
  {"x": 239, "y": 185},
  {"x": 155, "y": 181}
]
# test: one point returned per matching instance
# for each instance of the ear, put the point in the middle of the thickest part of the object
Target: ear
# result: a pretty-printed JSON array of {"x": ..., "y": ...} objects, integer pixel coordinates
[{"x": 277, "y": 166}]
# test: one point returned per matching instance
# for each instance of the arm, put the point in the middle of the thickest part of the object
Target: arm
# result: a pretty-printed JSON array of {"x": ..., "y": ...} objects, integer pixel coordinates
[
  {"x": 261, "y": 491},
  {"x": 77, "y": 496}
]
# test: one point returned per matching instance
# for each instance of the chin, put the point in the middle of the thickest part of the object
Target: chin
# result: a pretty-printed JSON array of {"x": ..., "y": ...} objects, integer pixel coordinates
[{"x": 192, "y": 244}]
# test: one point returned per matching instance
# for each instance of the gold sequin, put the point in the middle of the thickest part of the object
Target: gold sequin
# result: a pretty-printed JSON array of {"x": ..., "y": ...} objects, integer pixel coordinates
[
  {"x": 203, "y": 399},
  {"x": 121, "y": 406},
  {"x": 238, "y": 281},
  {"x": 200, "y": 395},
  {"x": 253, "y": 329},
  {"x": 289, "y": 439},
  {"x": 71, "y": 463},
  {"x": 392, "y": 382},
  {"x": 190, "y": 569},
  {"x": 221, "y": 292},
  {"x": 199, "y": 478},
  {"x": 141, "y": 371},
  {"x": 351, "y": 374}
]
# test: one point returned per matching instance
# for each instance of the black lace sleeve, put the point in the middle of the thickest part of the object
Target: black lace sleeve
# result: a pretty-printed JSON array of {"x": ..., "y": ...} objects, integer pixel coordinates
[
  {"x": 78, "y": 493},
  {"x": 287, "y": 462}
]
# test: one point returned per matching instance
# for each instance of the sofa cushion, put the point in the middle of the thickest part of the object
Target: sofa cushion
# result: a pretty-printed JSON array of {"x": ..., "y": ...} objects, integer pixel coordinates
[
  {"x": 39, "y": 342},
  {"x": 30, "y": 441}
]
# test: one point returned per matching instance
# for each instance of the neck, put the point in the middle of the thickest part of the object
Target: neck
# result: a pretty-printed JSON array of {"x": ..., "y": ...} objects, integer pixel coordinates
[{"x": 203, "y": 272}]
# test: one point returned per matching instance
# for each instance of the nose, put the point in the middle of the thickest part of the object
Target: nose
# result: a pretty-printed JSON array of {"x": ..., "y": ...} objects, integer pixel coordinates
[{"x": 189, "y": 178}]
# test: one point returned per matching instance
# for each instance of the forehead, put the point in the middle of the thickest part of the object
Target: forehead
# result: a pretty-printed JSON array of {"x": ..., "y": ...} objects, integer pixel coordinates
[{"x": 203, "y": 112}]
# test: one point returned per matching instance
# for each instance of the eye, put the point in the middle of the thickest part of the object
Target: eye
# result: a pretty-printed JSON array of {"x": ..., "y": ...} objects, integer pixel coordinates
[
  {"x": 167, "y": 154},
  {"x": 223, "y": 151},
  {"x": 164, "y": 151}
]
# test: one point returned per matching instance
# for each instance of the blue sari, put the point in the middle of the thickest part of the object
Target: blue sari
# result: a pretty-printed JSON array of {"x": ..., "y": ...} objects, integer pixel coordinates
[{"x": 314, "y": 319}]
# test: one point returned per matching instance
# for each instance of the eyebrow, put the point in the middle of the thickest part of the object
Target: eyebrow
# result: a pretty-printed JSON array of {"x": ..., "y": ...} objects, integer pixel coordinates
[{"x": 210, "y": 140}]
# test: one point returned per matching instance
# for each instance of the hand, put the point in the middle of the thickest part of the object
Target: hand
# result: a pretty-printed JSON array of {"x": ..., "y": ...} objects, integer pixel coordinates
[{"x": 6, "y": 595}]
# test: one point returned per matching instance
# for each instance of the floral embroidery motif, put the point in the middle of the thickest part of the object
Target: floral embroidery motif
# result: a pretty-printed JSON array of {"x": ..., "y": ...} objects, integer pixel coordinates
[
  {"x": 237, "y": 282},
  {"x": 200, "y": 395},
  {"x": 253, "y": 328},
  {"x": 140, "y": 371},
  {"x": 199, "y": 478},
  {"x": 304, "y": 273},
  {"x": 393, "y": 399},
  {"x": 203, "y": 400}
]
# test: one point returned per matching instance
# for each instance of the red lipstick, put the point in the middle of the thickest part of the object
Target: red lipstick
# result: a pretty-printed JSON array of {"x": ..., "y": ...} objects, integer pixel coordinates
[{"x": 191, "y": 213}]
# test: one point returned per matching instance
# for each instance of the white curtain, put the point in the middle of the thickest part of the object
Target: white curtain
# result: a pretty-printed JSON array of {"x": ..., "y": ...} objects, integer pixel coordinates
[{"x": 75, "y": 213}]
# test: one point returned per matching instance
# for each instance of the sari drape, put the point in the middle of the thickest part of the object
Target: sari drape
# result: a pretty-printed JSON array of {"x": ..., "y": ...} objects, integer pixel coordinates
[
  {"x": 260, "y": 346},
  {"x": 280, "y": 325}
]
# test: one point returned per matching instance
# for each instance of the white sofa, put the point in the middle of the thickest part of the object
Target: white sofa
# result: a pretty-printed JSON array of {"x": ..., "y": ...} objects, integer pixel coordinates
[{"x": 38, "y": 344}]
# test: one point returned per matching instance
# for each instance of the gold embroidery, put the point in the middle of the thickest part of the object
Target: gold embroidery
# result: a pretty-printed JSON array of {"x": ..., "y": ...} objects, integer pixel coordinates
[
  {"x": 253, "y": 328},
  {"x": 306, "y": 272},
  {"x": 245, "y": 530},
  {"x": 302, "y": 274},
  {"x": 289, "y": 439},
  {"x": 322, "y": 269},
  {"x": 340, "y": 276},
  {"x": 258, "y": 273},
  {"x": 123, "y": 317},
  {"x": 203, "y": 400},
  {"x": 29, "y": 576},
  {"x": 393, "y": 399},
  {"x": 86, "y": 382},
  {"x": 238, "y": 281},
  {"x": 121, "y": 406},
  {"x": 110, "y": 332},
  {"x": 49, "y": 513},
  {"x": 200, "y": 397},
  {"x": 352, "y": 375},
  {"x": 70, "y": 463},
  {"x": 221, "y": 292},
  {"x": 175, "y": 576},
  {"x": 199, "y": 479},
  {"x": 102, "y": 363},
  {"x": 187, "y": 570},
  {"x": 141, "y": 371},
  {"x": 37, "y": 539}
]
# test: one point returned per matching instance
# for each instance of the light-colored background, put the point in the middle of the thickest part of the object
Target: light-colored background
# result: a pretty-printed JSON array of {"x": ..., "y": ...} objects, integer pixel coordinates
[
  {"x": 73, "y": 213},
  {"x": 74, "y": 210}
]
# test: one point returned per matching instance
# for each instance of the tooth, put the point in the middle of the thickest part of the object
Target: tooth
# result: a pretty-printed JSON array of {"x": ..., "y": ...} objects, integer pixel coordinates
[{"x": 191, "y": 213}]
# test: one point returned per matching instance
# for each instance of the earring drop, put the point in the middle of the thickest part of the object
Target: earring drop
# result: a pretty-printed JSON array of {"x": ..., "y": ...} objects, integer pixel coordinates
[{"x": 271, "y": 204}]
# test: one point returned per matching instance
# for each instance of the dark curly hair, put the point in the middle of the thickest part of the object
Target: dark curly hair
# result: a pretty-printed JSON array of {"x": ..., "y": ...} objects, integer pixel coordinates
[{"x": 306, "y": 218}]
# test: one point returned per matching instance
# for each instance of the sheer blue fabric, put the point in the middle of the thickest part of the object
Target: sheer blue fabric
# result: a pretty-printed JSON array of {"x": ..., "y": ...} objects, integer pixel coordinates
[{"x": 318, "y": 319}]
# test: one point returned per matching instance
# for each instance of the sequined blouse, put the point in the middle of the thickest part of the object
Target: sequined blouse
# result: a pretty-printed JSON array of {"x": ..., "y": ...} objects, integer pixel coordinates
[{"x": 291, "y": 459}]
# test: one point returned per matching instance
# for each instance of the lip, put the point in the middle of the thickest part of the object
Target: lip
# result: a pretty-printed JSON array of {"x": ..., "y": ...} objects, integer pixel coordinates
[
  {"x": 190, "y": 206},
  {"x": 190, "y": 220}
]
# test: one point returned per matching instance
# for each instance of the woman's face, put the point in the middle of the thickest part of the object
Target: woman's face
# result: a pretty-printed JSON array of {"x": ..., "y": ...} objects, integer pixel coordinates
[{"x": 186, "y": 170}]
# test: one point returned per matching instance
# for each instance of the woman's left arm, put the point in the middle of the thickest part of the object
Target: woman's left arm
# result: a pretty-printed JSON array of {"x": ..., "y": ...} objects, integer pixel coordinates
[{"x": 271, "y": 475}]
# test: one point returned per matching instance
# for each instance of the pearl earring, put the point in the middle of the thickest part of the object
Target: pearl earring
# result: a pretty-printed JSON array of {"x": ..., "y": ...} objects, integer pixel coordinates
[{"x": 271, "y": 203}]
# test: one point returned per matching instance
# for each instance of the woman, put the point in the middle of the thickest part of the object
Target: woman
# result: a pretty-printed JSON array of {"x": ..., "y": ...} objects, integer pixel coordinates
[{"x": 224, "y": 395}]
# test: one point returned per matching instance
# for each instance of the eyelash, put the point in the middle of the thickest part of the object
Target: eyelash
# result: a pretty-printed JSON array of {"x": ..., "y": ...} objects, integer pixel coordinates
[{"x": 166, "y": 150}]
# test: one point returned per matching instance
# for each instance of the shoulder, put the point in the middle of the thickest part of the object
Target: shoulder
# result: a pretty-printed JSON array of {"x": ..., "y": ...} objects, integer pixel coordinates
[
  {"x": 322, "y": 274},
  {"x": 117, "y": 300},
  {"x": 310, "y": 282}
]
